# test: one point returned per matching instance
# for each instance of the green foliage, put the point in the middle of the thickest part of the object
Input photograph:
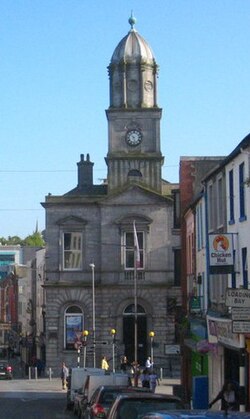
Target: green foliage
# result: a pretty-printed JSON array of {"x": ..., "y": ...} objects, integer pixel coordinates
[{"x": 34, "y": 240}]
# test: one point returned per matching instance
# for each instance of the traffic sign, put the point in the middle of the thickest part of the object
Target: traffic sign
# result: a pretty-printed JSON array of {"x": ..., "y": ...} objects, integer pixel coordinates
[
  {"x": 237, "y": 297},
  {"x": 241, "y": 327},
  {"x": 240, "y": 313}
]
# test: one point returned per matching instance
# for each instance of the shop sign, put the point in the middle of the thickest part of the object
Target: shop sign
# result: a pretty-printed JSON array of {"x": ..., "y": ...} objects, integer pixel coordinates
[
  {"x": 5, "y": 326},
  {"x": 221, "y": 253},
  {"x": 220, "y": 331}
]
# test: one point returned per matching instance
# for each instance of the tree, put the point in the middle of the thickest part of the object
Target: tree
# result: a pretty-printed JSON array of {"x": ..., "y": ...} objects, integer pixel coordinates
[{"x": 34, "y": 240}]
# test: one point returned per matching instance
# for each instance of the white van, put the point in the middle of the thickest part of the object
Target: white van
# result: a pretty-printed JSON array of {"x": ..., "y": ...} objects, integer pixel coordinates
[
  {"x": 77, "y": 379},
  {"x": 109, "y": 379}
]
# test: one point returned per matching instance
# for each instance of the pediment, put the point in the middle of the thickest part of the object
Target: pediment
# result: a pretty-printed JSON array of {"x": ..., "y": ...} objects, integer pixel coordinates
[{"x": 136, "y": 195}]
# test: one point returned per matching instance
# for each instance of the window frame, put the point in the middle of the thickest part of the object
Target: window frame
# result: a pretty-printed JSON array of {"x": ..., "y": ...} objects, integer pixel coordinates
[
  {"x": 125, "y": 249},
  {"x": 242, "y": 203},
  {"x": 231, "y": 197},
  {"x": 79, "y": 235},
  {"x": 244, "y": 267}
]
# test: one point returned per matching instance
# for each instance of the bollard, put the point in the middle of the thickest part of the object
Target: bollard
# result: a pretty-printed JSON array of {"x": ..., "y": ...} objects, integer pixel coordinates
[
  {"x": 29, "y": 373},
  {"x": 161, "y": 373},
  {"x": 50, "y": 373},
  {"x": 35, "y": 373}
]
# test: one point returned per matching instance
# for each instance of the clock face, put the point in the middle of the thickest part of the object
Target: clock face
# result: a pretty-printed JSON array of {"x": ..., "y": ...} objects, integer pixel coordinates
[{"x": 134, "y": 137}]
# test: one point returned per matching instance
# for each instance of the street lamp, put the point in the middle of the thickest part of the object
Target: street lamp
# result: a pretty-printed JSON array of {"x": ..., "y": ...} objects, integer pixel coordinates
[
  {"x": 151, "y": 335},
  {"x": 113, "y": 333},
  {"x": 85, "y": 334},
  {"x": 93, "y": 312}
]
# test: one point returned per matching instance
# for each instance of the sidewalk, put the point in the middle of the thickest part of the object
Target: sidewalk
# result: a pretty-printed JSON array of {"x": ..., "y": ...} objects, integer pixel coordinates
[{"x": 166, "y": 385}]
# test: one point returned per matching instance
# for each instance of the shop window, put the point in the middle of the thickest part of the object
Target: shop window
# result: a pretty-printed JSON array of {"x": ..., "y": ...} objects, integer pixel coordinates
[{"x": 73, "y": 326}]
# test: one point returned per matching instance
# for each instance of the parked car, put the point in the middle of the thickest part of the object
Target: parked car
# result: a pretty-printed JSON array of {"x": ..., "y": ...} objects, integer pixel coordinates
[
  {"x": 5, "y": 370},
  {"x": 102, "y": 400},
  {"x": 136, "y": 405},
  {"x": 195, "y": 414},
  {"x": 76, "y": 380},
  {"x": 79, "y": 396}
]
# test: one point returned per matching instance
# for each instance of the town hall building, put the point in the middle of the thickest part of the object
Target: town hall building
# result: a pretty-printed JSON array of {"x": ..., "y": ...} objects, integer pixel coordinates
[{"x": 93, "y": 282}]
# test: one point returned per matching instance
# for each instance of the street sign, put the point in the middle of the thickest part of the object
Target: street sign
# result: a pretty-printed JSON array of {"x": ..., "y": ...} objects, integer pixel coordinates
[
  {"x": 241, "y": 327},
  {"x": 240, "y": 313},
  {"x": 5, "y": 326},
  {"x": 237, "y": 297},
  {"x": 172, "y": 349}
]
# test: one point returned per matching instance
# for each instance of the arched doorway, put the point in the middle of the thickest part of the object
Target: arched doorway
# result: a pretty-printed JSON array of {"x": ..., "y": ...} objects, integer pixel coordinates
[{"x": 129, "y": 335}]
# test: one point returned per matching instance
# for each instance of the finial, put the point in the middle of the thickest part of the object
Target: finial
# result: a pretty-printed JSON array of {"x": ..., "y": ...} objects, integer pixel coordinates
[{"x": 132, "y": 20}]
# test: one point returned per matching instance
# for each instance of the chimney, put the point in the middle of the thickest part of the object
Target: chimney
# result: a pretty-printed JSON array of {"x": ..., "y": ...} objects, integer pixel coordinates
[{"x": 85, "y": 172}]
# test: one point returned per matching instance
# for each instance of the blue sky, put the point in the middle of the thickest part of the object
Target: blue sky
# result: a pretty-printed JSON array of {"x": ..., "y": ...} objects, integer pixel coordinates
[{"x": 54, "y": 89}]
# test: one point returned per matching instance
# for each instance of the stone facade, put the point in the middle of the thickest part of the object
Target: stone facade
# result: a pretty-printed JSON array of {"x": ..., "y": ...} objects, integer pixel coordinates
[{"x": 92, "y": 280}]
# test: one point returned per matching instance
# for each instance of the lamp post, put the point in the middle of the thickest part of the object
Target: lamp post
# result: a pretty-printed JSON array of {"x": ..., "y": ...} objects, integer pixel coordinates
[
  {"x": 151, "y": 335},
  {"x": 113, "y": 333},
  {"x": 85, "y": 334},
  {"x": 93, "y": 312}
]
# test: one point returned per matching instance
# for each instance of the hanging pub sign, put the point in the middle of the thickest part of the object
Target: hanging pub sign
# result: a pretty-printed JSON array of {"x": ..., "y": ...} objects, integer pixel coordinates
[{"x": 221, "y": 253}]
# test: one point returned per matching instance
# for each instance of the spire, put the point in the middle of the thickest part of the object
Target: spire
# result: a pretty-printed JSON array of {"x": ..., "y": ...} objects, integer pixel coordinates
[{"x": 132, "y": 21}]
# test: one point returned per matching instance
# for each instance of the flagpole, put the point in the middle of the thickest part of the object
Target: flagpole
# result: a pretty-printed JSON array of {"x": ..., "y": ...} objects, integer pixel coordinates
[
  {"x": 135, "y": 307},
  {"x": 136, "y": 263}
]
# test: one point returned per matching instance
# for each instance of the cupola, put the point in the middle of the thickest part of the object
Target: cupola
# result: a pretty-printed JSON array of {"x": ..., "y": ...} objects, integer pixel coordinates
[{"x": 133, "y": 72}]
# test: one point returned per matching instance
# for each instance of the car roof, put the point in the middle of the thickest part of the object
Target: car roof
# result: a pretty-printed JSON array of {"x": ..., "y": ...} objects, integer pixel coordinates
[
  {"x": 123, "y": 388},
  {"x": 142, "y": 395},
  {"x": 192, "y": 414}
]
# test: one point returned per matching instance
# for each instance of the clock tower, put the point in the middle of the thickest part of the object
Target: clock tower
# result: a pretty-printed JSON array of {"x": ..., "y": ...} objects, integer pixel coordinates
[{"x": 134, "y": 152}]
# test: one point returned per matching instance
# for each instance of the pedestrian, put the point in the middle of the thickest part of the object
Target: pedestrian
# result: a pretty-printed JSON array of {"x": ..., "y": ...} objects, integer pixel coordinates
[
  {"x": 229, "y": 397},
  {"x": 124, "y": 363},
  {"x": 135, "y": 372},
  {"x": 144, "y": 377},
  {"x": 153, "y": 381},
  {"x": 64, "y": 375},
  {"x": 149, "y": 363},
  {"x": 104, "y": 365}
]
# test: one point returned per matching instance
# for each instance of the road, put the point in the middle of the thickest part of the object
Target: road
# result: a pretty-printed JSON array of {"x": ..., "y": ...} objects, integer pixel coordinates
[
  {"x": 33, "y": 399},
  {"x": 43, "y": 398}
]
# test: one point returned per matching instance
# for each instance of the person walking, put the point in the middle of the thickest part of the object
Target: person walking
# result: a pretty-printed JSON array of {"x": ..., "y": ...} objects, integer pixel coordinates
[
  {"x": 153, "y": 381},
  {"x": 124, "y": 363},
  {"x": 149, "y": 364},
  {"x": 229, "y": 397},
  {"x": 104, "y": 365},
  {"x": 144, "y": 377},
  {"x": 64, "y": 375}
]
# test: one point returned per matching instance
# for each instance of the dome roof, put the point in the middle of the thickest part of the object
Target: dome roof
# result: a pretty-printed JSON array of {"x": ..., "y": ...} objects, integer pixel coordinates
[{"x": 133, "y": 48}]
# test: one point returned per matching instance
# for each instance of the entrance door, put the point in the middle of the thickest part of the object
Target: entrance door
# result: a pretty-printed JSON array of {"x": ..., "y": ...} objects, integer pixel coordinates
[
  {"x": 129, "y": 335},
  {"x": 231, "y": 365}
]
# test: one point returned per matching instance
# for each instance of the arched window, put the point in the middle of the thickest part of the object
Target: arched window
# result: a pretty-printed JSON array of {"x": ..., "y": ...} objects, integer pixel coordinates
[
  {"x": 130, "y": 310},
  {"x": 134, "y": 173},
  {"x": 73, "y": 326}
]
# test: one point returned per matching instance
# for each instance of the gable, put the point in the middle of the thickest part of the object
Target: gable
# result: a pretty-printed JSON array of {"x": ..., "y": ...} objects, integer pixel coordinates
[{"x": 135, "y": 195}]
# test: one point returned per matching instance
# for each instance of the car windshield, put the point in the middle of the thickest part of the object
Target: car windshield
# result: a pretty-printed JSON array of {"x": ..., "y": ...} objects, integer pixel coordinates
[{"x": 136, "y": 409}]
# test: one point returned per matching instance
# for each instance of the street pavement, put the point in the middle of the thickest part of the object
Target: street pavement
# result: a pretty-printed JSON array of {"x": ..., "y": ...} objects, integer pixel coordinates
[{"x": 54, "y": 385}]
